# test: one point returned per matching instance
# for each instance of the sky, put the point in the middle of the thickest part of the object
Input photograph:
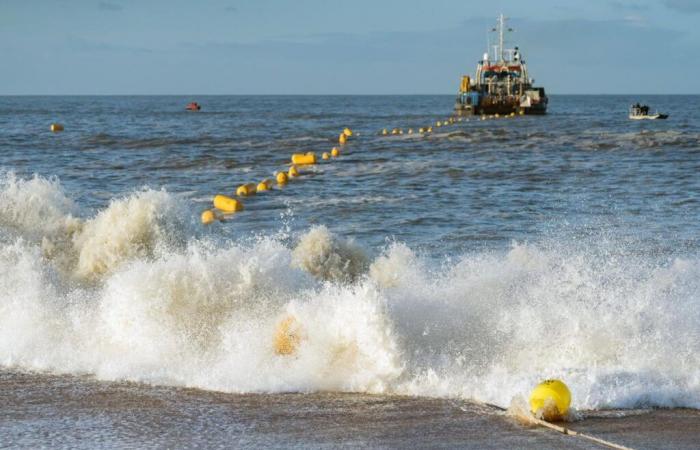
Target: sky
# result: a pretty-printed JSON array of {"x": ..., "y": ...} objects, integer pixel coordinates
[{"x": 341, "y": 47}]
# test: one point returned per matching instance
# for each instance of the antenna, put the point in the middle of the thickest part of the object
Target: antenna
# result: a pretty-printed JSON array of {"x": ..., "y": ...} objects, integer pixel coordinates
[
  {"x": 501, "y": 28},
  {"x": 488, "y": 41},
  {"x": 501, "y": 21}
]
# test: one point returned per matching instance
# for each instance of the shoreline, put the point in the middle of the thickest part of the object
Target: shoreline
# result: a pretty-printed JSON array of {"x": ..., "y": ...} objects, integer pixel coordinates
[{"x": 80, "y": 412}]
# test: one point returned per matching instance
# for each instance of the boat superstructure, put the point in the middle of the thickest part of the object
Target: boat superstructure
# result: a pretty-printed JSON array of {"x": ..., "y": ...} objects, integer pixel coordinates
[
  {"x": 502, "y": 84},
  {"x": 641, "y": 112}
]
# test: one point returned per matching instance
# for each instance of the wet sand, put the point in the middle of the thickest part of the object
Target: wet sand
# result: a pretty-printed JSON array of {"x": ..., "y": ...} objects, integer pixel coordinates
[{"x": 79, "y": 412}]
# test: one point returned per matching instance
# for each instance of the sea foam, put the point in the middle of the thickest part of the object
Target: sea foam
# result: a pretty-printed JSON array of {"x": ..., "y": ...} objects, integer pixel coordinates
[{"x": 134, "y": 292}]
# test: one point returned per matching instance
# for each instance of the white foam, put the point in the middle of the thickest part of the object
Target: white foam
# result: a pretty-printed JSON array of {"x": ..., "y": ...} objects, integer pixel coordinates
[
  {"x": 328, "y": 257},
  {"x": 162, "y": 306}
]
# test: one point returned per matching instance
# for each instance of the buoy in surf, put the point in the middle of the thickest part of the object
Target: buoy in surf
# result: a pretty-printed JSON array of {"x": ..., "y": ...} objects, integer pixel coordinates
[
  {"x": 304, "y": 158},
  {"x": 227, "y": 204},
  {"x": 287, "y": 336},
  {"x": 421, "y": 130},
  {"x": 384, "y": 132},
  {"x": 325, "y": 155},
  {"x": 56, "y": 127},
  {"x": 208, "y": 217},
  {"x": 438, "y": 124},
  {"x": 430, "y": 129},
  {"x": 335, "y": 152},
  {"x": 245, "y": 190},
  {"x": 550, "y": 400},
  {"x": 281, "y": 178},
  {"x": 342, "y": 139},
  {"x": 293, "y": 172},
  {"x": 410, "y": 131},
  {"x": 264, "y": 185},
  {"x": 347, "y": 132}
]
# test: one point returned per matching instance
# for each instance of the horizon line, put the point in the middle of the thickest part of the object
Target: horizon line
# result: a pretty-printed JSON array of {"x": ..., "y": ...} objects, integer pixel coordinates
[{"x": 322, "y": 95}]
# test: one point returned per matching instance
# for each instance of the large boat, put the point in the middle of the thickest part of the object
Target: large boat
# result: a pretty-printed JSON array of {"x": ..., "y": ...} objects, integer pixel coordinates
[{"x": 502, "y": 84}]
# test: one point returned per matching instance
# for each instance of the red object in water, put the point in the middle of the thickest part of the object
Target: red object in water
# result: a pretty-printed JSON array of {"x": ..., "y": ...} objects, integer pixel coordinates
[{"x": 194, "y": 106}]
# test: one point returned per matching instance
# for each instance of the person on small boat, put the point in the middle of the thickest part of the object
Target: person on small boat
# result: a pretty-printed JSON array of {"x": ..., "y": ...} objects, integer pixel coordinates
[{"x": 640, "y": 110}]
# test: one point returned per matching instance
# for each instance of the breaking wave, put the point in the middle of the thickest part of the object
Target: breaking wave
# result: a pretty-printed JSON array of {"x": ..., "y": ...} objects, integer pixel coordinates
[{"x": 134, "y": 293}]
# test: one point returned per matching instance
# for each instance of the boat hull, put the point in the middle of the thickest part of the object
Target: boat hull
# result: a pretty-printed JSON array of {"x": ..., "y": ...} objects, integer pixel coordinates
[
  {"x": 649, "y": 117},
  {"x": 500, "y": 109}
]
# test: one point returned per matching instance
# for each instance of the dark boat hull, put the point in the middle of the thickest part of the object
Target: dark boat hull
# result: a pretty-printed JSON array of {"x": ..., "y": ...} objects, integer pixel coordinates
[{"x": 502, "y": 109}]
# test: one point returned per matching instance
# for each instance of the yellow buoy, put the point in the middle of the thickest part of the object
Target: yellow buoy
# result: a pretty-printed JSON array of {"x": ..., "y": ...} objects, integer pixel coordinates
[
  {"x": 430, "y": 129},
  {"x": 264, "y": 185},
  {"x": 281, "y": 178},
  {"x": 347, "y": 132},
  {"x": 304, "y": 158},
  {"x": 245, "y": 190},
  {"x": 325, "y": 155},
  {"x": 342, "y": 139},
  {"x": 227, "y": 204},
  {"x": 400, "y": 131},
  {"x": 335, "y": 152},
  {"x": 438, "y": 124},
  {"x": 410, "y": 131},
  {"x": 208, "y": 217},
  {"x": 287, "y": 336},
  {"x": 421, "y": 130},
  {"x": 385, "y": 132},
  {"x": 522, "y": 113},
  {"x": 293, "y": 172},
  {"x": 56, "y": 127},
  {"x": 550, "y": 400}
]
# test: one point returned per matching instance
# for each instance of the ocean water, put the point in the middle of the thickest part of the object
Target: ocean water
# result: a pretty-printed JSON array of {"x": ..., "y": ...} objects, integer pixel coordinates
[{"x": 467, "y": 264}]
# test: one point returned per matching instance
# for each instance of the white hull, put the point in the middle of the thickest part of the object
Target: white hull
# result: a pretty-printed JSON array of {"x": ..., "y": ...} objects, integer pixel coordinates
[{"x": 647, "y": 117}]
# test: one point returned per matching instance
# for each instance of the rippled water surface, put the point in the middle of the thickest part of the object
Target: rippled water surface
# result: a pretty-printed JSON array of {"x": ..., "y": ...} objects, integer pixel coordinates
[{"x": 471, "y": 185}]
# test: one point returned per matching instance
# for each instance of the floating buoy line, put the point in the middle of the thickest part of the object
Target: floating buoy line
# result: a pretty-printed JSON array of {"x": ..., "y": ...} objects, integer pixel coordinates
[
  {"x": 444, "y": 123},
  {"x": 225, "y": 205}
]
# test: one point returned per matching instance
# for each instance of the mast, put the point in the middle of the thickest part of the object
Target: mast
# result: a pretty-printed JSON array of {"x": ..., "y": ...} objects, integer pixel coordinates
[{"x": 501, "y": 23}]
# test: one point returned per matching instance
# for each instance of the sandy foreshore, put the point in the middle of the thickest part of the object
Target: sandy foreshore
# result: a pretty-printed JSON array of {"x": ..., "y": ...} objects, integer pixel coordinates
[{"x": 78, "y": 412}]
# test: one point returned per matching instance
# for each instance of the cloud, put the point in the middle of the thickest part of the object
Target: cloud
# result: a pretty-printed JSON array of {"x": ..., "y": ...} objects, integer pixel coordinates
[
  {"x": 81, "y": 44},
  {"x": 106, "y": 6},
  {"x": 628, "y": 6},
  {"x": 573, "y": 55},
  {"x": 683, "y": 6},
  {"x": 636, "y": 20}
]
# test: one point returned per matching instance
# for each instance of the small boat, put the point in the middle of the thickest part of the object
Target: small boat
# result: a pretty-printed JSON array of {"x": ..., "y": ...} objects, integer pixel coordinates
[
  {"x": 641, "y": 112},
  {"x": 194, "y": 106}
]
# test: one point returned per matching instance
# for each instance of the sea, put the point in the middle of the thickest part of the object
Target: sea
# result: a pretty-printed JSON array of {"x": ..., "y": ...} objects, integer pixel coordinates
[{"x": 422, "y": 280}]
